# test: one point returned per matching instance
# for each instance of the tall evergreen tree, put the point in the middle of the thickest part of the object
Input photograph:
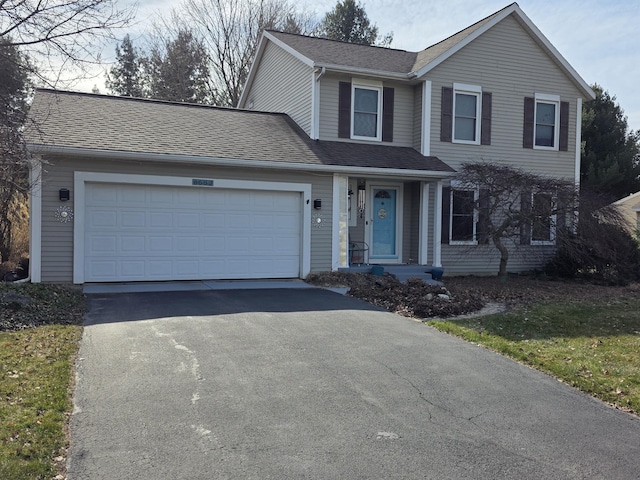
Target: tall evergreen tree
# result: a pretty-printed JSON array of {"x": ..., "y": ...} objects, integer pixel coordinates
[
  {"x": 611, "y": 153},
  {"x": 126, "y": 77},
  {"x": 348, "y": 22},
  {"x": 179, "y": 71},
  {"x": 14, "y": 92}
]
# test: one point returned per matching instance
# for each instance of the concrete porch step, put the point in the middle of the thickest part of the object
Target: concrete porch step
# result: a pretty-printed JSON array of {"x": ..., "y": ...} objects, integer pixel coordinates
[{"x": 401, "y": 272}]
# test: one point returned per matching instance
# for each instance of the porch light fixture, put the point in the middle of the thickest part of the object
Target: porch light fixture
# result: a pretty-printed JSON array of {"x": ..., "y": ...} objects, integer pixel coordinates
[
  {"x": 317, "y": 204},
  {"x": 63, "y": 194}
]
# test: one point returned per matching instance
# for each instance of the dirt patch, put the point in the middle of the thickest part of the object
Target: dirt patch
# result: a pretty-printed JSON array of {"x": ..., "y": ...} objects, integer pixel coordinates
[{"x": 464, "y": 295}]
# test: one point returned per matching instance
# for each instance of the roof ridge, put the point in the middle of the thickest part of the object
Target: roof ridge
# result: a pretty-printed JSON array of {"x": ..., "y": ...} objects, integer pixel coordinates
[
  {"x": 338, "y": 41},
  {"x": 154, "y": 101}
]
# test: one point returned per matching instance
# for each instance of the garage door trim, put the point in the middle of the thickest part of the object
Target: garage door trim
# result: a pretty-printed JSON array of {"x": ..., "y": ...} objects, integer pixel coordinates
[{"x": 81, "y": 178}]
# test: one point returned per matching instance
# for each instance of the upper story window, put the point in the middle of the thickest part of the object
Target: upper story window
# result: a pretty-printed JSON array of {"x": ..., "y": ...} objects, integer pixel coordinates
[
  {"x": 547, "y": 118},
  {"x": 546, "y": 122},
  {"x": 365, "y": 110},
  {"x": 466, "y": 115},
  {"x": 365, "y": 118}
]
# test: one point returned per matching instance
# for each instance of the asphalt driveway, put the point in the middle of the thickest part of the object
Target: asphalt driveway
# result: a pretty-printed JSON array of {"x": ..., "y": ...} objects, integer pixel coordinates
[{"x": 293, "y": 384}]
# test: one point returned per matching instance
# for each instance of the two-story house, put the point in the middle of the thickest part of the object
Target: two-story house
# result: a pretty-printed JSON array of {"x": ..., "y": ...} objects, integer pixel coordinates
[
  {"x": 497, "y": 91},
  {"x": 333, "y": 145}
]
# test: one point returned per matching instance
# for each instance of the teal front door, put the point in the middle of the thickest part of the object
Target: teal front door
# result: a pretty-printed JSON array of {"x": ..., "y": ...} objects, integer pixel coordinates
[{"x": 384, "y": 236}]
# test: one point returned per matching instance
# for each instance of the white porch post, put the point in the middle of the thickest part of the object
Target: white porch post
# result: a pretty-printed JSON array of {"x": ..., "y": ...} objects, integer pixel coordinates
[
  {"x": 35, "y": 220},
  {"x": 340, "y": 223},
  {"x": 437, "y": 227},
  {"x": 423, "y": 236}
]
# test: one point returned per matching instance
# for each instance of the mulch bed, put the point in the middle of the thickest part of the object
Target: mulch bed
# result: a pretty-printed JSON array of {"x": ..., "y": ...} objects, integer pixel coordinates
[{"x": 464, "y": 295}]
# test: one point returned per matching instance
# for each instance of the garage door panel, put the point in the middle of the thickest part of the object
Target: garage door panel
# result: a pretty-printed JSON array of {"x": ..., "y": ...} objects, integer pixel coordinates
[{"x": 136, "y": 232}]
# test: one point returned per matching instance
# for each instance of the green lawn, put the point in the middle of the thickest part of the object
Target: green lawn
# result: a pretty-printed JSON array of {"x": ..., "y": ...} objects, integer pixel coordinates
[
  {"x": 593, "y": 346},
  {"x": 36, "y": 377}
]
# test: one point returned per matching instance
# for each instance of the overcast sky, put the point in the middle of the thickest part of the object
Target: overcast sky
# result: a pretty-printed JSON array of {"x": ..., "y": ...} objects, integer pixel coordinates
[{"x": 599, "y": 38}]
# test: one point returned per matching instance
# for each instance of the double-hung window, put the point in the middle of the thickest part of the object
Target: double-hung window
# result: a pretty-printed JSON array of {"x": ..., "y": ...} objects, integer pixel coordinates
[
  {"x": 467, "y": 113},
  {"x": 462, "y": 223},
  {"x": 543, "y": 225},
  {"x": 366, "y": 117},
  {"x": 546, "y": 123},
  {"x": 547, "y": 120}
]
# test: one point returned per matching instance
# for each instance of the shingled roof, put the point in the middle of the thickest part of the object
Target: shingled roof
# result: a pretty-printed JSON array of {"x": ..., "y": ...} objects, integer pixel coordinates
[
  {"x": 68, "y": 121},
  {"x": 401, "y": 64}
]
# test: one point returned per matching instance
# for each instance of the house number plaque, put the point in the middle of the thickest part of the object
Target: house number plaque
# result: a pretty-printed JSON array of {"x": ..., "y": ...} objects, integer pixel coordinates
[{"x": 201, "y": 182}]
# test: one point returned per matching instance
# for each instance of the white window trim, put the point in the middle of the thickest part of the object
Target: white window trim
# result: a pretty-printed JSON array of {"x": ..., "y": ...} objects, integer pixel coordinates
[
  {"x": 367, "y": 85},
  {"x": 476, "y": 195},
  {"x": 553, "y": 100},
  {"x": 466, "y": 89},
  {"x": 552, "y": 225}
]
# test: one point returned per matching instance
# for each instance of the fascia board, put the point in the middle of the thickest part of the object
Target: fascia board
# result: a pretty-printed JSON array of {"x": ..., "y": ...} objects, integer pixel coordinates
[
  {"x": 366, "y": 71},
  {"x": 231, "y": 162}
]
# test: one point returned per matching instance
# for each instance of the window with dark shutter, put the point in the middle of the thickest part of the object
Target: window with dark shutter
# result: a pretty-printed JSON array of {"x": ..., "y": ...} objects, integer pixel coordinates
[
  {"x": 485, "y": 126},
  {"x": 446, "y": 213},
  {"x": 529, "y": 119},
  {"x": 344, "y": 110},
  {"x": 482, "y": 229},
  {"x": 388, "y": 94},
  {"x": 446, "y": 116},
  {"x": 564, "y": 127}
]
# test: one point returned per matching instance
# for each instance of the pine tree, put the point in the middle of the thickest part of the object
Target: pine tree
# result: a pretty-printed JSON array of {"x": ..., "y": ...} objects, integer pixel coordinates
[
  {"x": 126, "y": 77},
  {"x": 348, "y": 22}
]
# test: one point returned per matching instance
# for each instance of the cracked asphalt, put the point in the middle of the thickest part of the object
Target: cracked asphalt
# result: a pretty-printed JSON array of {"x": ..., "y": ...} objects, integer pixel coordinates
[{"x": 293, "y": 384}]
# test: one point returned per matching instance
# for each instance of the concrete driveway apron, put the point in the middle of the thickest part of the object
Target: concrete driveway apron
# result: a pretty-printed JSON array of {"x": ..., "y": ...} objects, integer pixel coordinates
[{"x": 291, "y": 384}]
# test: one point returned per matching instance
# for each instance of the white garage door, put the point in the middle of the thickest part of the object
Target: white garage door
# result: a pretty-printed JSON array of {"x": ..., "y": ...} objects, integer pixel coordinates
[{"x": 148, "y": 232}]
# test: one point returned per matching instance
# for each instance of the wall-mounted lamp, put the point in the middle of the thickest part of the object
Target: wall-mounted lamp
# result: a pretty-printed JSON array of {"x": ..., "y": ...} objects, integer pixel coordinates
[
  {"x": 63, "y": 194},
  {"x": 317, "y": 204}
]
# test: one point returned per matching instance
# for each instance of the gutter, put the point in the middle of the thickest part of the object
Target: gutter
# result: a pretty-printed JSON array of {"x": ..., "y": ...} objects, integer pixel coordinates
[{"x": 231, "y": 162}]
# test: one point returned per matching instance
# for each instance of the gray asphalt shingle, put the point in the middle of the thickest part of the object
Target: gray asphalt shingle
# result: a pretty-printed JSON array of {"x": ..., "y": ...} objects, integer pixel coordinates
[{"x": 120, "y": 124}]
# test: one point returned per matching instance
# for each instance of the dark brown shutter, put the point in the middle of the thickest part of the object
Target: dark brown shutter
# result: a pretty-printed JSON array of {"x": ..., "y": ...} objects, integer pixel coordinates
[
  {"x": 485, "y": 126},
  {"x": 525, "y": 224},
  {"x": 446, "y": 213},
  {"x": 387, "y": 114},
  {"x": 482, "y": 229},
  {"x": 344, "y": 110},
  {"x": 564, "y": 127},
  {"x": 529, "y": 118},
  {"x": 446, "y": 116}
]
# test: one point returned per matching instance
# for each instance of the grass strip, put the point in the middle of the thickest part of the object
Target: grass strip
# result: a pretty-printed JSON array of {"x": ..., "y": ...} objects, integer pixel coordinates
[
  {"x": 594, "y": 346},
  {"x": 37, "y": 366}
]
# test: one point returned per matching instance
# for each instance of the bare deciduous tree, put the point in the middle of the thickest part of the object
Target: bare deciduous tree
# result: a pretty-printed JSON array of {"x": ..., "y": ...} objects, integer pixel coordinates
[
  {"x": 514, "y": 207},
  {"x": 61, "y": 34},
  {"x": 231, "y": 30}
]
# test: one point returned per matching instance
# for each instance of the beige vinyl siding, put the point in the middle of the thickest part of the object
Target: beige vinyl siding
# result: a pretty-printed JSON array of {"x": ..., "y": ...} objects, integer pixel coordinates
[
  {"x": 57, "y": 238},
  {"x": 283, "y": 84},
  {"x": 485, "y": 259},
  {"x": 403, "y": 112},
  {"x": 507, "y": 62}
]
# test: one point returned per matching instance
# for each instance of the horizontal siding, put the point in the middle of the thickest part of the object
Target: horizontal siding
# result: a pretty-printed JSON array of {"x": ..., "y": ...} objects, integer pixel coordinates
[
  {"x": 403, "y": 112},
  {"x": 57, "y": 238},
  {"x": 485, "y": 259},
  {"x": 283, "y": 84},
  {"x": 507, "y": 62}
]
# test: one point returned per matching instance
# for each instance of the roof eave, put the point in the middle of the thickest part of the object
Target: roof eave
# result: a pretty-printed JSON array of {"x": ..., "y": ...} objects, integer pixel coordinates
[
  {"x": 42, "y": 149},
  {"x": 365, "y": 71}
]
